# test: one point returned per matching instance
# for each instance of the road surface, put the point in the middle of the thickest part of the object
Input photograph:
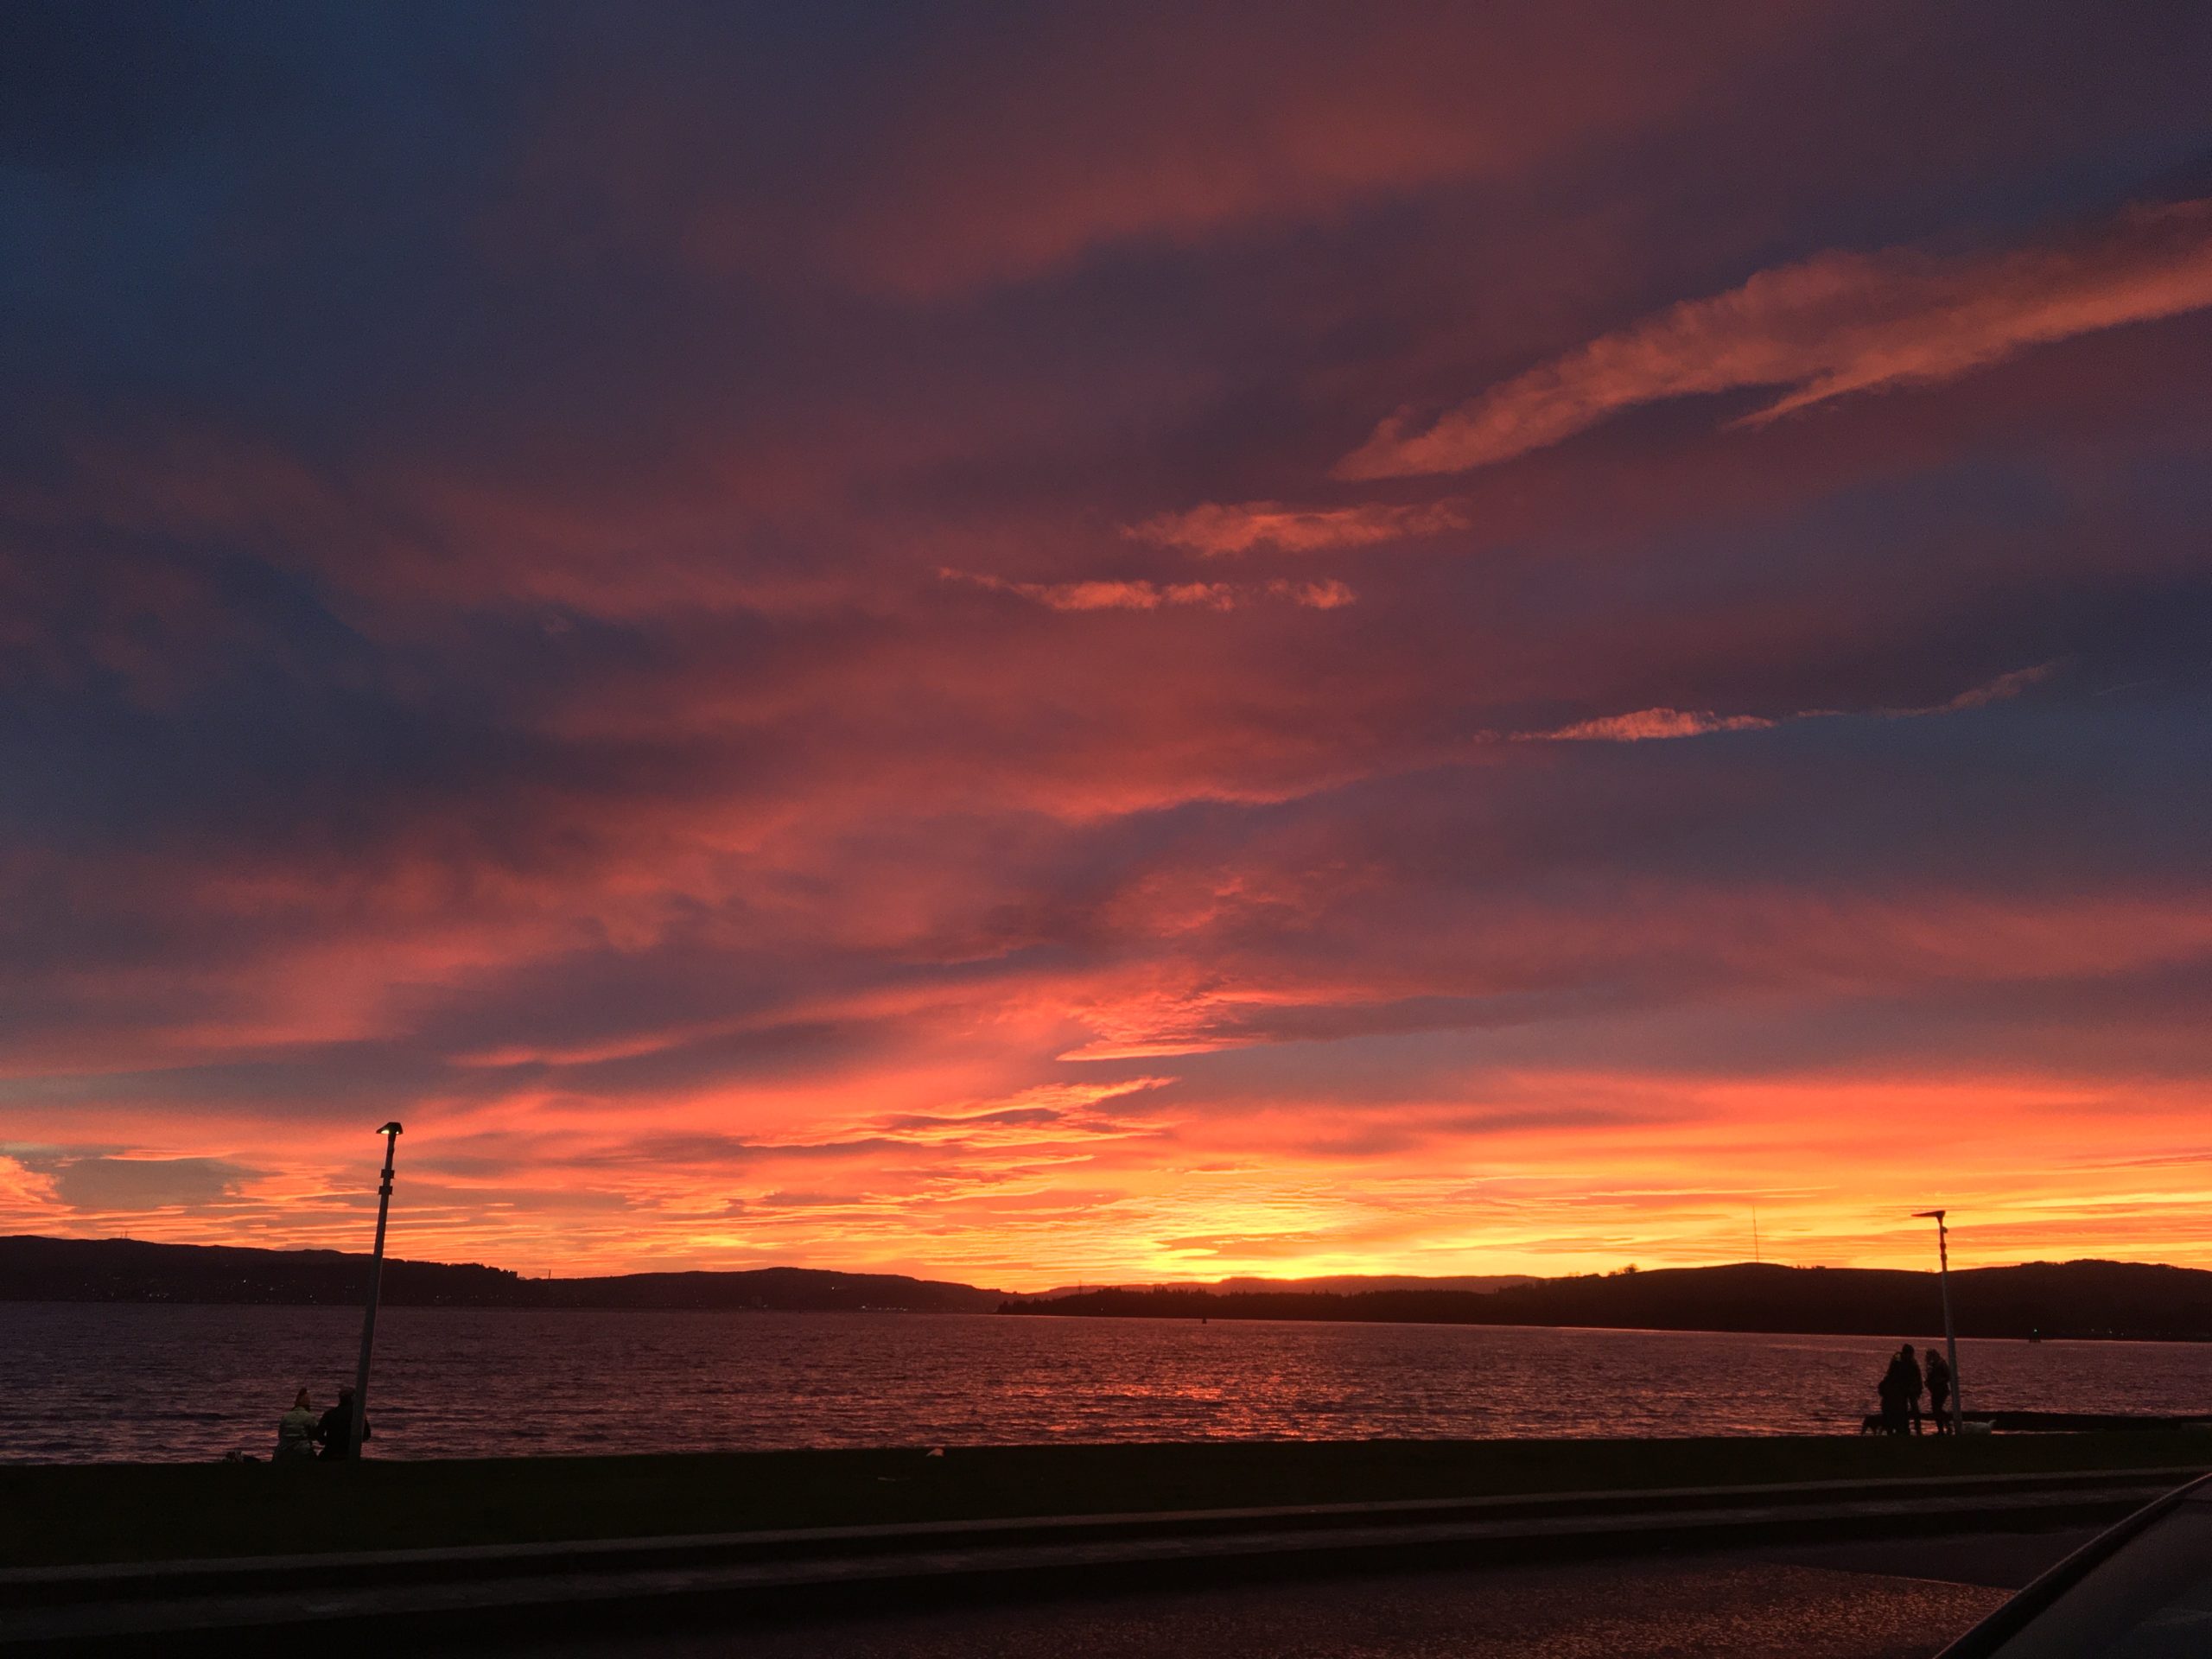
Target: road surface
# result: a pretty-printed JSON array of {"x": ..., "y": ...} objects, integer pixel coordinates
[{"x": 1869, "y": 1600}]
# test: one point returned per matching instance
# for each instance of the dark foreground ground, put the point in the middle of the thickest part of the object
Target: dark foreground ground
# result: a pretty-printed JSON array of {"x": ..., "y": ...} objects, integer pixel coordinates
[
  {"x": 1880, "y": 1600},
  {"x": 53, "y": 1514}
]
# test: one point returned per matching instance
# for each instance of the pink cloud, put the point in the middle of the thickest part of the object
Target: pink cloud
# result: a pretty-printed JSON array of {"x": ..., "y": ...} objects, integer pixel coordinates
[
  {"x": 1329, "y": 596},
  {"x": 1174, "y": 129},
  {"x": 1830, "y": 326},
  {"x": 1648, "y": 723},
  {"x": 2001, "y": 689},
  {"x": 1154, "y": 596},
  {"x": 1218, "y": 528}
]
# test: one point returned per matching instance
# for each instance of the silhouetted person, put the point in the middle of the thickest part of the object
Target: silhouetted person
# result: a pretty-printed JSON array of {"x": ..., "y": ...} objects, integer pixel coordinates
[
  {"x": 1909, "y": 1386},
  {"x": 1890, "y": 1391},
  {"x": 334, "y": 1432},
  {"x": 1939, "y": 1389},
  {"x": 296, "y": 1430}
]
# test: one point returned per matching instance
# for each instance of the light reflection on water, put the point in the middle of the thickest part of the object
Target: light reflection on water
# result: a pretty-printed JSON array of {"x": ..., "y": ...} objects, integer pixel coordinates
[{"x": 84, "y": 1383}]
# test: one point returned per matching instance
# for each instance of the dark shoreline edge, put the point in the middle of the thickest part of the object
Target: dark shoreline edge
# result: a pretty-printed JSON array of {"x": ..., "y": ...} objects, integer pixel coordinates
[{"x": 2069, "y": 1300}]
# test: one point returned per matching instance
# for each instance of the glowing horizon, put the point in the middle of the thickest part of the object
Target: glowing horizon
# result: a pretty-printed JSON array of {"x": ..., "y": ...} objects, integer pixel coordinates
[{"x": 1405, "y": 645}]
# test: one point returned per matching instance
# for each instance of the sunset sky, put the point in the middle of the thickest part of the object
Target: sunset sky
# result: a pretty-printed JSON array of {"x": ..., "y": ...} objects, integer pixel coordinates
[{"x": 1037, "y": 643}]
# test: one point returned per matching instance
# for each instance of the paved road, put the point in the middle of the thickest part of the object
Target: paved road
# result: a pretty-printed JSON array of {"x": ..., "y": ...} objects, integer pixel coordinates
[{"x": 1817, "y": 1601}]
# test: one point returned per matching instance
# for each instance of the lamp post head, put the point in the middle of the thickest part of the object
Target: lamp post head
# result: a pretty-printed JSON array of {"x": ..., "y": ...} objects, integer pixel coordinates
[
  {"x": 389, "y": 1128},
  {"x": 1917, "y": 1215}
]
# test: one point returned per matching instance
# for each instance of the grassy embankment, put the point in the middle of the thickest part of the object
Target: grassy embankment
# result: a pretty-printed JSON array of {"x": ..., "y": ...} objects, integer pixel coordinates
[{"x": 53, "y": 1513}]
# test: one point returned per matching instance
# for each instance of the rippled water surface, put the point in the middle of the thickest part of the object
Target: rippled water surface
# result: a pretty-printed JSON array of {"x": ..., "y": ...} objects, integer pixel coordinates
[{"x": 80, "y": 1383}]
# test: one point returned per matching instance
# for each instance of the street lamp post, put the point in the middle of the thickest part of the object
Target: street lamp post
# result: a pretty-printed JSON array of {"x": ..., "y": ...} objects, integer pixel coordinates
[
  {"x": 1950, "y": 1335},
  {"x": 390, "y": 1133}
]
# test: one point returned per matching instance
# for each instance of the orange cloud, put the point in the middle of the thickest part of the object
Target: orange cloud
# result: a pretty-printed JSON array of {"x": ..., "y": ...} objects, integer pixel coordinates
[
  {"x": 1328, "y": 595},
  {"x": 1830, "y": 326},
  {"x": 1646, "y": 724},
  {"x": 1218, "y": 528}
]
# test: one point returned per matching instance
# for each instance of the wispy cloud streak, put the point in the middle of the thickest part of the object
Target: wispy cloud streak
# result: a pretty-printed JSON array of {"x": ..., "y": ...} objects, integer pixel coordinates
[
  {"x": 1219, "y": 528},
  {"x": 1323, "y": 595},
  {"x": 1834, "y": 325},
  {"x": 1647, "y": 725}
]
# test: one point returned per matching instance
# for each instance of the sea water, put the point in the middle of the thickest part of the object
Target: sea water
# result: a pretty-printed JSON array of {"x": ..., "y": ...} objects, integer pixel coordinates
[{"x": 82, "y": 1383}]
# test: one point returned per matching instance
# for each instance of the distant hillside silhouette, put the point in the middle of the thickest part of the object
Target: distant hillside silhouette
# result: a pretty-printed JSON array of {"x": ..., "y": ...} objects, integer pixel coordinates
[
  {"x": 34, "y": 1269},
  {"x": 1352, "y": 1284},
  {"x": 2065, "y": 1299},
  {"x": 1345, "y": 1284}
]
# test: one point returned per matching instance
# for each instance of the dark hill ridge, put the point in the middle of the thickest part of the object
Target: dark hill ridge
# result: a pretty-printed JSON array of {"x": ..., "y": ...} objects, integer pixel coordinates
[
  {"x": 126, "y": 1270},
  {"x": 2064, "y": 1298},
  {"x": 1347, "y": 1284},
  {"x": 787, "y": 1289},
  {"x": 2069, "y": 1298}
]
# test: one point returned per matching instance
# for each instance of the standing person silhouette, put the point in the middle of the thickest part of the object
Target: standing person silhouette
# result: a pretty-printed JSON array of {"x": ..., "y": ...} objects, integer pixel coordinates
[
  {"x": 1910, "y": 1384},
  {"x": 1939, "y": 1389},
  {"x": 1890, "y": 1391}
]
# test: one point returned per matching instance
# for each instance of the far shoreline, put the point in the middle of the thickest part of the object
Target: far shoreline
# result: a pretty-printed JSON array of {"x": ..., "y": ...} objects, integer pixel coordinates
[{"x": 1904, "y": 1332}]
